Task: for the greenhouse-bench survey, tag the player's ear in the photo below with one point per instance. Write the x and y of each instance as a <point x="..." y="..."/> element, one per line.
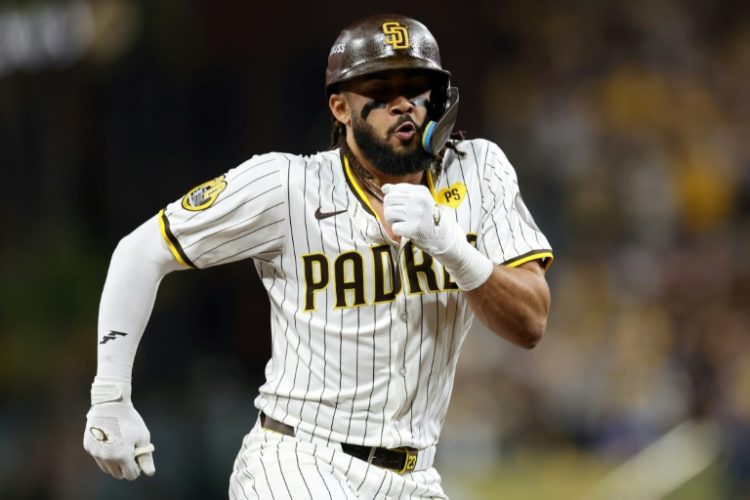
<point x="340" y="108"/>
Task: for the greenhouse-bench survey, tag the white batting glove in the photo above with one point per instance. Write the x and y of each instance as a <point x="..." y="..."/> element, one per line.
<point x="413" y="213"/>
<point x="116" y="435"/>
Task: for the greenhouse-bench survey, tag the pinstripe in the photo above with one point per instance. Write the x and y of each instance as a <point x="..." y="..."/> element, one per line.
<point x="244" y="493"/>
<point x="416" y="485"/>
<point x="432" y="366"/>
<point x="488" y="186"/>
<point x="325" y="309"/>
<point x="368" y="332"/>
<point x="518" y="220"/>
<point x="390" y="374"/>
<point x="364" y="477"/>
<point x="333" y="457"/>
<point x="280" y="339"/>
<point x="403" y="485"/>
<point x="390" y="484"/>
<point x="349" y="466"/>
<point x="494" y="223"/>
<point x="296" y="275"/>
<point x="322" y="478"/>
<point x="403" y="364"/>
<point x="281" y="472"/>
<point x="230" y="258"/>
<point x="463" y="179"/>
<point x="381" y="486"/>
<point x="341" y="335"/>
<point x="309" y="320"/>
<point x="325" y="480"/>
<point x="242" y="457"/>
<point x="244" y="235"/>
<point x="506" y="201"/>
<point x="507" y="216"/>
<point x="419" y="370"/>
<point x="535" y="233"/>
<point x="372" y="386"/>
<point x="251" y="484"/>
<point x="317" y="377"/>
<point x="263" y="261"/>
<point x="512" y="181"/>
<point x="276" y="337"/>
<point x="450" y="338"/>
<point x="265" y="472"/>
<point x="419" y="480"/>
<point x="356" y="347"/>
<point x="241" y="222"/>
<point x="296" y="456"/>
<point x="455" y="335"/>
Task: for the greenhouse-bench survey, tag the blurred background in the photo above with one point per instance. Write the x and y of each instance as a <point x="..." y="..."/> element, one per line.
<point x="624" y="120"/>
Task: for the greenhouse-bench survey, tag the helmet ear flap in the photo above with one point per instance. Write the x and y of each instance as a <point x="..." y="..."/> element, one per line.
<point x="437" y="132"/>
<point x="438" y="101"/>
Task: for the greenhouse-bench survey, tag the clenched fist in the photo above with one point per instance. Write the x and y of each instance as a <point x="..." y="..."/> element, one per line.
<point x="116" y="435"/>
<point x="413" y="213"/>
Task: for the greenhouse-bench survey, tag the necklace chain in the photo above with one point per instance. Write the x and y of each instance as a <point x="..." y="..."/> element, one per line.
<point x="366" y="178"/>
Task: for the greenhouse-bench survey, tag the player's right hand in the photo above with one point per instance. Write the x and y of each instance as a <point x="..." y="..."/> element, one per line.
<point x="116" y="435"/>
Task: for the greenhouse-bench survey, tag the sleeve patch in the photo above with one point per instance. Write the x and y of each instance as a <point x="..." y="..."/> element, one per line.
<point x="204" y="195"/>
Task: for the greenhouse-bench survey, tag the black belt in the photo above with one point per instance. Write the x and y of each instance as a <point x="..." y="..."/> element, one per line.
<point x="401" y="460"/>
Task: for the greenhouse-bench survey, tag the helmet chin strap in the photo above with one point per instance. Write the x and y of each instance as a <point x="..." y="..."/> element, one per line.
<point x="436" y="134"/>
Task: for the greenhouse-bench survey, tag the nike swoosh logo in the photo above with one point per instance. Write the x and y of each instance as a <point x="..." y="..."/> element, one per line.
<point x="324" y="215"/>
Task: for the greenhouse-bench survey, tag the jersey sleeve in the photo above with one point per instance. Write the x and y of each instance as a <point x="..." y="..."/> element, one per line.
<point x="509" y="234"/>
<point x="238" y="215"/>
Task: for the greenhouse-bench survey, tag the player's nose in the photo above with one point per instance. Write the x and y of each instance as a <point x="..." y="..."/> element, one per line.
<point x="401" y="105"/>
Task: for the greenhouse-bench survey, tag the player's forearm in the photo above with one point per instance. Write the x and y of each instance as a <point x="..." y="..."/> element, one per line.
<point x="514" y="303"/>
<point x="138" y="264"/>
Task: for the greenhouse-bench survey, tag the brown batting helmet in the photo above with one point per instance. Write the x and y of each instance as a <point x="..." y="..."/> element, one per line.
<point x="382" y="43"/>
<point x="390" y="42"/>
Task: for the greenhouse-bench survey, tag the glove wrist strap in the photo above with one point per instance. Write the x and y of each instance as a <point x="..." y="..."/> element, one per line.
<point x="471" y="269"/>
<point x="468" y="268"/>
<point x="108" y="392"/>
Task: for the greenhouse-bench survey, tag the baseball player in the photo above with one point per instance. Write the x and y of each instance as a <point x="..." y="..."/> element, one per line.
<point x="376" y="256"/>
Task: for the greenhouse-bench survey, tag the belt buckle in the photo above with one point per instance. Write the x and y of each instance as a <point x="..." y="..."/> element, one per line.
<point x="411" y="459"/>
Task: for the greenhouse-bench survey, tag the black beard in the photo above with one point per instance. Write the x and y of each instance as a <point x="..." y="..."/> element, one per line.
<point x="384" y="157"/>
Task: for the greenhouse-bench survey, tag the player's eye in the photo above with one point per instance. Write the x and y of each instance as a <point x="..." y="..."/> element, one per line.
<point x="416" y="86"/>
<point x="415" y="91"/>
<point x="377" y="92"/>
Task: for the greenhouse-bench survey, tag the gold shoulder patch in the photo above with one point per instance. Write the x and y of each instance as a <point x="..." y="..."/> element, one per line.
<point x="204" y="195"/>
<point x="453" y="195"/>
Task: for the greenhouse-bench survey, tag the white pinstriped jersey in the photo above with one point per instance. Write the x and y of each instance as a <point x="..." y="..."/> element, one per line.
<point x="365" y="335"/>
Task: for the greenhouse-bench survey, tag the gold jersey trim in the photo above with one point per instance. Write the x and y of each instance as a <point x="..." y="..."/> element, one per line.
<point x="172" y="243"/>
<point x="545" y="256"/>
